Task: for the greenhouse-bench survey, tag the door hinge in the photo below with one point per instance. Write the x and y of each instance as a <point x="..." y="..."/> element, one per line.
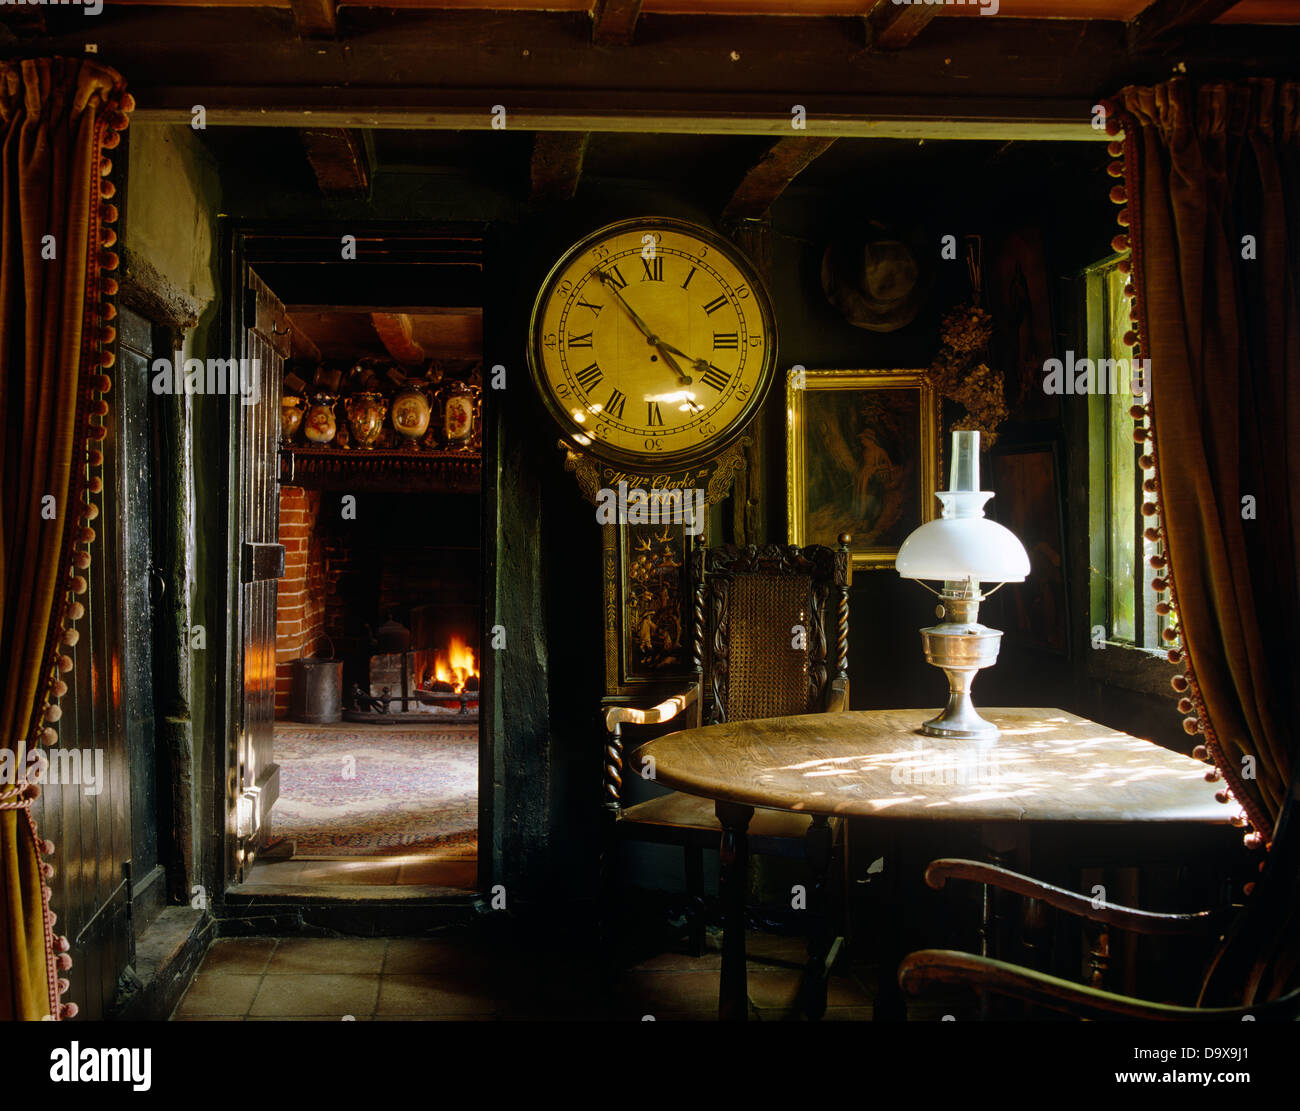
<point x="260" y="562"/>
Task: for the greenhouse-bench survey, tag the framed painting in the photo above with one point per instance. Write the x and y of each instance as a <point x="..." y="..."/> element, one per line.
<point x="1026" y="483"/>
<point x="862" y="457"/>
<point x="647" y="607"/>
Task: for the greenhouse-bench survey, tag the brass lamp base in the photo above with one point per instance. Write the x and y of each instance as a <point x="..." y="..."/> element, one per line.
<point x="960" y="650"/>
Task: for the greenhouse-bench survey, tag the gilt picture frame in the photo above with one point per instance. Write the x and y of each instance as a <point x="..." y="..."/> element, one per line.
<point x="863" y="457"/>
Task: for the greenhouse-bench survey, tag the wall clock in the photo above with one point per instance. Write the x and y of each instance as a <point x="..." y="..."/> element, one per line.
<point x="652" y="344"/>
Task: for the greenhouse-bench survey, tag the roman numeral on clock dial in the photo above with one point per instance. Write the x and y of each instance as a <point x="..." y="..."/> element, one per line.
<point x="715" y="378"/>
<point x="589" y="377"/>
<point x="653" y="416"/>
<point x="584" y="340"/>
<point x="615" y="277"/>
<point x="654" y="269"/>
<point x="722" y="341"/>
<point x="614" y="406"/>
<point x="714" y="305"/>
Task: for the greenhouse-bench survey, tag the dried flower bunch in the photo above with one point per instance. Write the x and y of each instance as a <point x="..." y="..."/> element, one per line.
<point x="961" y="373"/>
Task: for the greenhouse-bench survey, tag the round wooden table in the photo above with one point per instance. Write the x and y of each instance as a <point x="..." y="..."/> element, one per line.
<point x="1047" y="766"/>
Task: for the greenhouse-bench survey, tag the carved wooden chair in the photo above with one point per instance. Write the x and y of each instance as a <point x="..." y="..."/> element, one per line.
<point x="750" y="662"/>
<point x="1254" y="971"/>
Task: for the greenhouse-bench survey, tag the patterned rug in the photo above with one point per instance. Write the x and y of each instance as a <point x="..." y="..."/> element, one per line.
<point x="347" y="791"/>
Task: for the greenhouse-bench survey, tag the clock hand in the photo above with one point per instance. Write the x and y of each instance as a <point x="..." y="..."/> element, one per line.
<point x="651" y="338"/>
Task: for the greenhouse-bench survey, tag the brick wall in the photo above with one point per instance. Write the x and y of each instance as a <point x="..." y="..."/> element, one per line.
<point x="300" y="598"/>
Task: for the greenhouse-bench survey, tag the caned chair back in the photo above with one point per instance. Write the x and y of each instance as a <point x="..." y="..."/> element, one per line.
<point x="772" y="627"/>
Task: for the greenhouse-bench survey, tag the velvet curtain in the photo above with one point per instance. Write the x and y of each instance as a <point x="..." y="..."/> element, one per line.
<point x="1212" y="188"/>
<point x="56" y="117"/>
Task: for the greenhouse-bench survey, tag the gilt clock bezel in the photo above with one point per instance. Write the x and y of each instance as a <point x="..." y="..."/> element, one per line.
<point x="656" y="461"/>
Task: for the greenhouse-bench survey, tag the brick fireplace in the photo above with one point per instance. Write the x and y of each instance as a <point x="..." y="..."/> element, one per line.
<point x="412" y="557"/>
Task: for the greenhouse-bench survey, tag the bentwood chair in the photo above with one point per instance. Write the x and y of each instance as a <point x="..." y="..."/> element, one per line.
<point x="750" y="661"/>
<point x="1254" y="970"/>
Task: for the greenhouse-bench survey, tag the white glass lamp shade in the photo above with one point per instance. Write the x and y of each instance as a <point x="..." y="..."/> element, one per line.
<point x="963" y="544"/>
<point x="954" y="549"/>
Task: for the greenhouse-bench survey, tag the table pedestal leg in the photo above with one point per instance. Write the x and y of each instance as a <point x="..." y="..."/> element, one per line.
<point x="817" y="847"/>
<point x="733" y="995"/>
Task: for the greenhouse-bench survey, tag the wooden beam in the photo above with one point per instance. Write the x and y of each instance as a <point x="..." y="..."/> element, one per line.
<point x="893" y="26"/>
<point x="613" y="22"/>
<point x="395" y="330"/>
<point x="972" y="78"/>
<point x="316" y="19"/>
<point x="338" y="158"/>
<point x="1165" y="16"/>
<point x="768" y="178"/>
<point x="557" y="164"/>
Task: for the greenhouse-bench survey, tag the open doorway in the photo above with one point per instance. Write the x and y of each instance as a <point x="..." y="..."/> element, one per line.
<point x="372" y="728"/>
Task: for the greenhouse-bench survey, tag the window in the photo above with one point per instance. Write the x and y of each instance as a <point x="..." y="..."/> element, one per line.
<point x="1122" y="604"/>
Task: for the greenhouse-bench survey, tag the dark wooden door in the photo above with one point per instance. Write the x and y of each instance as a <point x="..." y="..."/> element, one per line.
<point x="140" y="586"/>
<point x="261" y="561"/>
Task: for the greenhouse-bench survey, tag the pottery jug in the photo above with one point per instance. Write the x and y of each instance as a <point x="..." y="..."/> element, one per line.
<point x="366" y="412"/>
<point x="320" y="426"/>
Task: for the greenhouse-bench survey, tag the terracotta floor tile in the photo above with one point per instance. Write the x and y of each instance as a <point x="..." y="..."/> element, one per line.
<point x="238" y="954"/>
<point x="420" y="954"/>
<point x="220" y="993"/>
<point x="337" y="995"/>
<point x="433" y="995"/>
<point x="680" y="962"/>
<point x="319" y="955"/>
<point x="779" y="988"/>
<point x="655" y="993"/>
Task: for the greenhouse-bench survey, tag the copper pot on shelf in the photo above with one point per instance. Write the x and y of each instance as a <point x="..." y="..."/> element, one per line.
<point x="366" y="411"/>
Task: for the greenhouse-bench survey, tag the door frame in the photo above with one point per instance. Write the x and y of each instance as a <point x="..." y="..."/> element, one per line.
<point x="247" y="242"/>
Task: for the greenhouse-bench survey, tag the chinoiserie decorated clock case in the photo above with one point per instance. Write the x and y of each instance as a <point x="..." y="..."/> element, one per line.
<point x="653" y="345"/>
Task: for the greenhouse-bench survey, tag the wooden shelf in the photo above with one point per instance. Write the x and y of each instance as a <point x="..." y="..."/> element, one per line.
<point x="380" y="469"/>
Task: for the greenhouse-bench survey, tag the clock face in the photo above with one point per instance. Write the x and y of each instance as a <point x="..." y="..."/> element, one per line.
<point x="652" y="343"/>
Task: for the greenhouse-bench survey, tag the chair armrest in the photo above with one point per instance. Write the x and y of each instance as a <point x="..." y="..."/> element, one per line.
<point x="945" y="966"/>
<point x="837" y="698"/>
<point x="1112" y="914"/>
<point x="665" y="711"/>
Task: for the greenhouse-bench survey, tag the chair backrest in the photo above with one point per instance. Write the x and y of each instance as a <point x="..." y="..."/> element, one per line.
<point x="771" y="628"/>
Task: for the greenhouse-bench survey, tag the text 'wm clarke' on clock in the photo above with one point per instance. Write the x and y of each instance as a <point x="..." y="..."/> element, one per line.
<point x="652" y="343"/>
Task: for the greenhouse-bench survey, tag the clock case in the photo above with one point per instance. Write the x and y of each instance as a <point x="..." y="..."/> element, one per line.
<point x="658" y="462"/>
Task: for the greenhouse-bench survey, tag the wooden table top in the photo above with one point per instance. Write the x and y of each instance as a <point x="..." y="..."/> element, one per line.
<point x="1047" y="766"/>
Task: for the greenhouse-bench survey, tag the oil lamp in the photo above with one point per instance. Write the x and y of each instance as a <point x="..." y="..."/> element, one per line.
<point x="962" y="549"/>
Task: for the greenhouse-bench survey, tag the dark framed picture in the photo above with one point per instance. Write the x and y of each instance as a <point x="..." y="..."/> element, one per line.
<point x="647" y="607"/>
<point x="1026" y="484"/>
<point x="862" y="456"/>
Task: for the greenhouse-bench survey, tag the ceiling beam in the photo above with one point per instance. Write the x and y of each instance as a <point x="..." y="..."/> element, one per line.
<point x="769" y="177"/>
<point x="316" y="19"/>
<point x="394" y="328"/>
<point x="973" y="78"/>
<point x="557" y="164"/>
<point x="893" y="26"/>
<point x="1165" y="16"/>
<point x="613" y="22"/>
<point x="338" y="159"/>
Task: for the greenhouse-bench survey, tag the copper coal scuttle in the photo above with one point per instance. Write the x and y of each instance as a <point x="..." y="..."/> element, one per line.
<point x="375" y="406"/>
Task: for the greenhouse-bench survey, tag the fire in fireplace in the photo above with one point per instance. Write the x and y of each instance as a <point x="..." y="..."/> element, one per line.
<point x="453" y="670"/>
